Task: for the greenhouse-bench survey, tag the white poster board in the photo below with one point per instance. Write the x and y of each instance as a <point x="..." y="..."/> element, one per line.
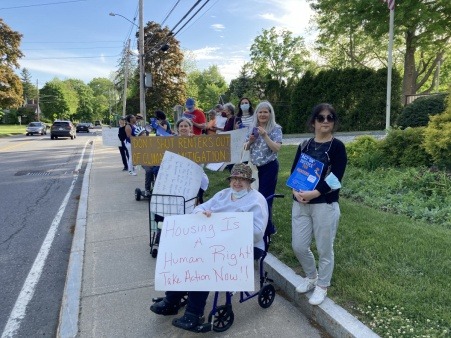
<point x="199" y="253"/>
<point x="237" y="139"/>
<point x="177" y="184"/>
<point x="109" y="137"/>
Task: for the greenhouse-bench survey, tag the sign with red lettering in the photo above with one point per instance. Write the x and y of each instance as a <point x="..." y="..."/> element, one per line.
<point x="199" y="253"/>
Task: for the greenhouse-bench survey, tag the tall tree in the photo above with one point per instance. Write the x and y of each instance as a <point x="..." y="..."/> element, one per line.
<point x="278" y="55"/>
<point x="85" y="98"/>
<point x="422" y="26"/>
<point x="10" y="85"/>
<point x="58" y="100"/>
<point x="163" y="59"/>
<point x="210" y="85"/>
<point x="103" y="91"/>
<point x="30" y="92"/>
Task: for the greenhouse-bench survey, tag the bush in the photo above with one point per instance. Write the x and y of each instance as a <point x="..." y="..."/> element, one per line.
<point x="364" y="152"/>
<point x="437" y="137"/>
<point x="417" y="113"/>
<point x="404" y="148"/>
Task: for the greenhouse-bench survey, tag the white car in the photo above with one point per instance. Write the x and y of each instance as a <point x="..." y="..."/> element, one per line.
<point x="36" y="128"/>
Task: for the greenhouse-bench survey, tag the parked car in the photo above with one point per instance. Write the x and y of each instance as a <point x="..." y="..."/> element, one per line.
<point x="62" y="129"/>
<point x="83" y="126"/>
<point x="97" y="123"/>
<point x="37" y="128"/>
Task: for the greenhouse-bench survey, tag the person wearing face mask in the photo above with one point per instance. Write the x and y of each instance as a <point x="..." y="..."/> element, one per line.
<point x="238" y="197"/>
<point x="196" y="116"/>
<point x="245" y="112"/>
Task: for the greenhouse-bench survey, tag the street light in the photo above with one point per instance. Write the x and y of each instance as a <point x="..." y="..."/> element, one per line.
<point x="115" y="14"/>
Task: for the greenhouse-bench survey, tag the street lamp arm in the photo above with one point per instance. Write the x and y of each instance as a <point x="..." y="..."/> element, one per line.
<point x="115" y="14"/>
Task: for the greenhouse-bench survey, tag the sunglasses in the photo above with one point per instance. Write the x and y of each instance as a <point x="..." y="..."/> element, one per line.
<point x="322" y="118"/>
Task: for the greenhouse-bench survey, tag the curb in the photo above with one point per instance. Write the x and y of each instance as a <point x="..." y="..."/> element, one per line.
<point x="70" y="305"/>
<point x="330" y="316"/>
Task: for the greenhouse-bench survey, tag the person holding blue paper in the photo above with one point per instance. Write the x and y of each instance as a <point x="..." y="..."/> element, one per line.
<point x="315" y="208"/>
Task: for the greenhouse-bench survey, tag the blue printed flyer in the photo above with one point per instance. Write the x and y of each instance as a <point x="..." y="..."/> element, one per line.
<point x="306" y="175"/>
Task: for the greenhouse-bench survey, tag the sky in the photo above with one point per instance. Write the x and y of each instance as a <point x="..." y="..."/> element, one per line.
<point x="79" y="39"/>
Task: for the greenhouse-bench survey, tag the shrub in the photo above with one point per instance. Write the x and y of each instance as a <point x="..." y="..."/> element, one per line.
<point x="437" y="137"/>
<point x="364" y="152"/>
<point x="404" y="148"/>
<point x="417" y="113"/>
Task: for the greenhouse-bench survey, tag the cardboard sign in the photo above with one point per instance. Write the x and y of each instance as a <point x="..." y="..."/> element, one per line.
<point x="109" y="137"/>
<point x="200" y="149"/>
<point x="199" y="253"/>
<point x="237" y="138"/>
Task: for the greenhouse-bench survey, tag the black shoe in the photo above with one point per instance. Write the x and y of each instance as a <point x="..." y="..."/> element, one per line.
<point x="189" y="321"/>
<point x="125" y="169"/>
<point x="164" y="308"/>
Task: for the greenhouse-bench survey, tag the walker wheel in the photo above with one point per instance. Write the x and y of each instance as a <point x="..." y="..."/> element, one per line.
<point x="154" y="253"/>
<point x="266" y="296"/>
<point x="138" y="194"/>
<point x="223" y="318"/>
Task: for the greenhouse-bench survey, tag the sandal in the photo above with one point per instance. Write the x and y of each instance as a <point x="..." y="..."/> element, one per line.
<point x="163" y="307"/>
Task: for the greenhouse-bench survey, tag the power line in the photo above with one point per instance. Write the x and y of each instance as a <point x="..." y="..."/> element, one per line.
<point x="73" y="57"/>
<point x="167" y="16"/>
<point x="69" y="48"/>
<point x="206" y="2"/>
<point x="44" y="4"/>
<point x="71" y="42"/>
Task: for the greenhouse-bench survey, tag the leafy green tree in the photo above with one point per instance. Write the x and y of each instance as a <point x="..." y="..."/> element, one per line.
<point x="10" y="86"/>
<point x="30" y="91"/>
<point x="422" y="26"/>
<point x="58" y="100"/>
<point x="103" y="91"/>
<point x="278" y="55"/>
<point x="85" y="95"/>
<point x="242" y="86"/>
<point x="210" y="85"/>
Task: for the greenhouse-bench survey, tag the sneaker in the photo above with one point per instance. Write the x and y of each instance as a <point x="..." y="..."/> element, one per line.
<point x="125" y="169"/>
<point x="132" y="173"/>
<point x="318" y="296"/>
<point x="307" y="285"/>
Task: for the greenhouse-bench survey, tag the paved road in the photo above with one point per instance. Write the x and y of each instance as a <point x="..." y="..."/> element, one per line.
<point x="36" y="175"/>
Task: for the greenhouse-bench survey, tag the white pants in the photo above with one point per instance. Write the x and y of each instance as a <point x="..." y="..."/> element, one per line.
<point x="129" y="159"/>
<point x="319" y="220"/>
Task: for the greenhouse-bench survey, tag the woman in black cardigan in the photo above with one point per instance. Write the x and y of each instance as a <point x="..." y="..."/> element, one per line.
<point x="316" y="212"/>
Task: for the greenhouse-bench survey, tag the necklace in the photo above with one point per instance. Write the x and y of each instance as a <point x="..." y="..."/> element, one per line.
<point x="318" y="145"/>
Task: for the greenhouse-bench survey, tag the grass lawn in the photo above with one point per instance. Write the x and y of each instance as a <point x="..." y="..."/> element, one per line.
<point x="393" y="273"/>
<point x="11" y="129"/>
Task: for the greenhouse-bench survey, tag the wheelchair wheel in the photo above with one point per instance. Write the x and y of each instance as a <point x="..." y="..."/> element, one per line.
<point x="266" y="296"/>
<point x="138" y="194"/>
<point x="223" y="318"/>
<point x="154" y="253"/>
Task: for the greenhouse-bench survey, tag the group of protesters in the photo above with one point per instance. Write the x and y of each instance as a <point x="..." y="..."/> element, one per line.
<point x="315" y="213"/>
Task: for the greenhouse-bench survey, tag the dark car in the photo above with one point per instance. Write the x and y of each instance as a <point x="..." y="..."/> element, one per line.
<point x="37" y="128"/>
<point x="82" y="126"/>
<point x="62" y="129"/>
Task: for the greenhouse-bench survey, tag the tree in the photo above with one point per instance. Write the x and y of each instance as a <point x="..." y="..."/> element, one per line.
<point x="422" y="26"/>
<point x="242" y="86"/>
<point x="276" y="54"/>
<point x="10" y="85"/>
<point x="165" y="66"/>
<point x="58" y="101"/>
<point x="85" y="98"/>
<point x="102" y="90"/>
<point x="210" y="85"/>
<point x="30" y="92"/>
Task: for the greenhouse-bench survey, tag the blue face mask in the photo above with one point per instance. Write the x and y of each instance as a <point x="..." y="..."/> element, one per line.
<point x="245" y="106"/>
<point x="238" y="194"/>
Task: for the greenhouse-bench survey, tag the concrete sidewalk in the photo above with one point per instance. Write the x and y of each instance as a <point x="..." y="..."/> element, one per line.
<point x="110" y="280"/>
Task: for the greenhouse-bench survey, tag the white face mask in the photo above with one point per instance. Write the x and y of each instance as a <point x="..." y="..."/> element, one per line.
<point x="245" y="106"/>
<point x="238" y="194"/>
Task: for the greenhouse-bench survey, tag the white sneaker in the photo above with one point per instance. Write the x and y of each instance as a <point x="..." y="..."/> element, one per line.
<point x="132" y="173"/>
<point x="318" y="296"/>
<point x="307" y="285"/>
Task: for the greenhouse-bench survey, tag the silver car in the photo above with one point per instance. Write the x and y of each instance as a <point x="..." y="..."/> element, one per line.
<point x="36" y="128"/>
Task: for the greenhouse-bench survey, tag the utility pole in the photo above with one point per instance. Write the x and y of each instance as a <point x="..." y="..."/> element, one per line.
<point x="38" y="108"/>
<point x="142" y="92"/>
<point x="124" y="99"/>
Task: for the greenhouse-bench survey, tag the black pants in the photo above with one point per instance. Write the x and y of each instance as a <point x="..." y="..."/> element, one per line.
<point x="124" y="154"/>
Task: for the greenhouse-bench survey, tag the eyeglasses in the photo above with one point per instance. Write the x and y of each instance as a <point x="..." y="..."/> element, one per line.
<point x="322" y="118"/>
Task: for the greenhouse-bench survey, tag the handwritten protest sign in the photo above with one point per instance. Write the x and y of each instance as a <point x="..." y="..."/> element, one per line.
<point x="199" y="253"/>
<point x="109" y="137"/>
<point x="200" y="149"/>
<point x="177" y="177"/>
<point x="237" y="138"/>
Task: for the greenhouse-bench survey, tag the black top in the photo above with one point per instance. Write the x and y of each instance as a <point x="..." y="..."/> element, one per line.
<point x="333" y="155"/>
<point x="121" y="134"/>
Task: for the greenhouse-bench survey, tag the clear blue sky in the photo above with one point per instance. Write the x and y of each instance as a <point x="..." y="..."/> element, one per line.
<point x="78" y="39"/>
